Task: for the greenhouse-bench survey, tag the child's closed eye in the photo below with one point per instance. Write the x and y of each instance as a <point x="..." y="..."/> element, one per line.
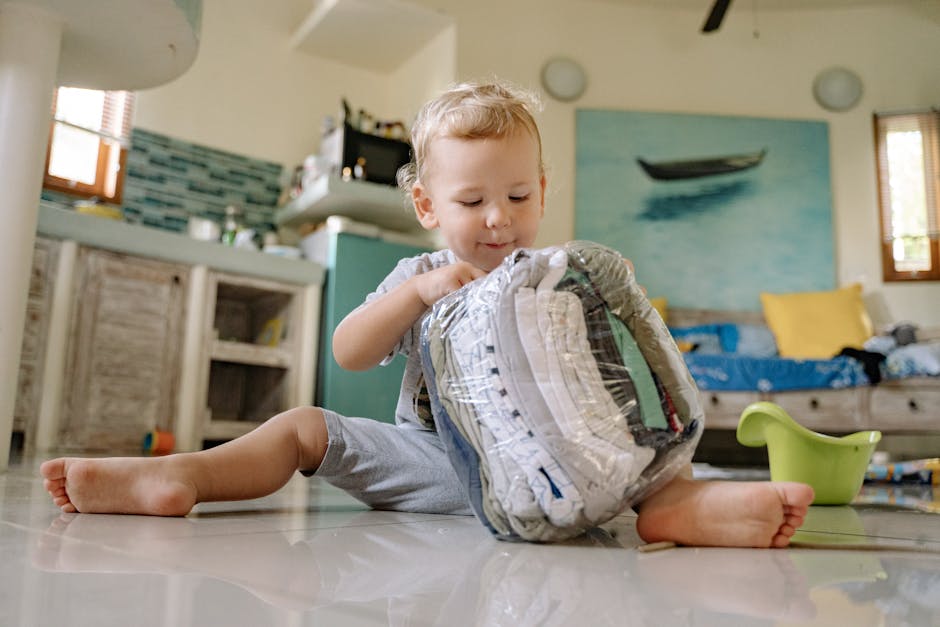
<point x="522" y="198"/>
<point x="471" y="203"/>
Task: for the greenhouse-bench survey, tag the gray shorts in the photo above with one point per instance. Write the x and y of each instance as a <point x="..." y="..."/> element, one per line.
<point x="391" y="467"/>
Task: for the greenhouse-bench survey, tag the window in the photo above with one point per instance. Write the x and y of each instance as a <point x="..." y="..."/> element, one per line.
<point x="908" y="147"/>
<point x="87" y="142"/>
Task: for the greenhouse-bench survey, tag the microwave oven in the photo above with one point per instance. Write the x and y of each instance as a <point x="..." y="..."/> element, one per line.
<point x="382" y="156"/>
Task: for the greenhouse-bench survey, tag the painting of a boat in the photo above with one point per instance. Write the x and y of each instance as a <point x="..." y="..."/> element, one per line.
<point x="697" y="168"/>
<point x="709" y="234"/>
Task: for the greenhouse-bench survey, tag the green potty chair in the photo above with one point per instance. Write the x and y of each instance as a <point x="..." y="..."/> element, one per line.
<point x="834" y="466"/>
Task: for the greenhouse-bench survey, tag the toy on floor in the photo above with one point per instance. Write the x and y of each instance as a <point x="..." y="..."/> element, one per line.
<point x="158" y="442"/>
<point x="558" y="392"/>
<point x="925" y="471"/>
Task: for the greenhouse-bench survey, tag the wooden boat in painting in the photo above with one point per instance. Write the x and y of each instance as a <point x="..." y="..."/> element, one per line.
<point x="697" y="168"/>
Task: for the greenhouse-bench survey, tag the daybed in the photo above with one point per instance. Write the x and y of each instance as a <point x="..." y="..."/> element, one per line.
<point x="898" y="403"/>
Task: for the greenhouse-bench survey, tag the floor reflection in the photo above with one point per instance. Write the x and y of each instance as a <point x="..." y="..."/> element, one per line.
<point x="922" y="497"/>
<point x="308" y="559"/>
<point x="434" y="572"/>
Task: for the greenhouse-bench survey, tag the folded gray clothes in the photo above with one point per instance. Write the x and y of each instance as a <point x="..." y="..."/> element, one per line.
<point x="551" y="382"/>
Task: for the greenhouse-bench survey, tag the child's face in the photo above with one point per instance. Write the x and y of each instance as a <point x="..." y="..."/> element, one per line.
<point x="485" y="195"/>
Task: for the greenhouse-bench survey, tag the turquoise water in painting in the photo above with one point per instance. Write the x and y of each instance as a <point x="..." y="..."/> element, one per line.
<point x="718" y="241"/>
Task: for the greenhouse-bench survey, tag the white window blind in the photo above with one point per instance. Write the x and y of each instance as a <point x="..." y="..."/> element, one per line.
<point x="90" y="132"/>
<point x="107" y="114"/>
<point x="908" y="149"/>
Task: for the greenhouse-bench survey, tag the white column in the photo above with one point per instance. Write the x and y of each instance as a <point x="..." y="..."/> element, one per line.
<point x="30" y="39"/>
<point x="308" y="336"/>
<point x="191" y="407"/>
<point x="53" y="368"/>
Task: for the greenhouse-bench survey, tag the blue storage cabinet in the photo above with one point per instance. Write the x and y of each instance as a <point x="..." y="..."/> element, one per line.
<point x="355" y="265"/>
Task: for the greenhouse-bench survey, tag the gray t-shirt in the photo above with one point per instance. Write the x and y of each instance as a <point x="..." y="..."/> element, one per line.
<point x="412" y="410"/>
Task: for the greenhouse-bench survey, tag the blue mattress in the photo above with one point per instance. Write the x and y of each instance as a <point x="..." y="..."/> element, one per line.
<point x="735" y="372"/>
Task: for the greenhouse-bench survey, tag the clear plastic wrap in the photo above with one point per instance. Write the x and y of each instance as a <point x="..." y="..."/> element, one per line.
<point x="558" y="392"/>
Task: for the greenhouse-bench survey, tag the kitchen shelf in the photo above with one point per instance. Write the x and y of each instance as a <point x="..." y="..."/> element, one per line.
<point x="251" y="354"/>
<point x="257" y="353"/>
<point x="247" y="394"/>
<point x="226" y="429"/>
<point x="372" y="203"/>
<point x="377" y="35"/>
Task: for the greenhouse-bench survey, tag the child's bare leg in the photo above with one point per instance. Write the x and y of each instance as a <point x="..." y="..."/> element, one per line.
<point x="724" y="513"/>
<point x="251" y="466"/>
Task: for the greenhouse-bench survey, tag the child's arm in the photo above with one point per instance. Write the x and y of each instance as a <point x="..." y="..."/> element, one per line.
<point x="371" y="331"/>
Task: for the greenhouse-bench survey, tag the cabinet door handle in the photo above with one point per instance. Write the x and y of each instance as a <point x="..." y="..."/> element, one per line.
<point x="714" y="400"/>
<point x="912" y="405"/>
<point x="814" y="403"/>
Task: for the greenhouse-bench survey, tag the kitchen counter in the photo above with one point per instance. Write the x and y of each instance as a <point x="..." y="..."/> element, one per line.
<point x="143" y="241"/>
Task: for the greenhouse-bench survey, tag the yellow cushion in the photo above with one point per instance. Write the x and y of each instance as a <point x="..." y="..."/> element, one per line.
<point x="817" y="325"/>
<point x="659" y="304"/>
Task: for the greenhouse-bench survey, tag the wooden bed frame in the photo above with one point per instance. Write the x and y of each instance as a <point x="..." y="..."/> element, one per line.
<point x="908" y="406"/>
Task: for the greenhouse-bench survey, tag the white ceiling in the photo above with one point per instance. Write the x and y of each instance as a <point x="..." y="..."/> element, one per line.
<point x="925" y="8"/>
<point x="705" y="5"/>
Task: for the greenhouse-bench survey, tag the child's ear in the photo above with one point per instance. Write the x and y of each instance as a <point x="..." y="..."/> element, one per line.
<point x="424" y="208"/>
<point x="543" y="182"/>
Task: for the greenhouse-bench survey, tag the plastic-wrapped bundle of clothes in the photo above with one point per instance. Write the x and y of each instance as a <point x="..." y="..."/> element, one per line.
<point x="558" y="392"/>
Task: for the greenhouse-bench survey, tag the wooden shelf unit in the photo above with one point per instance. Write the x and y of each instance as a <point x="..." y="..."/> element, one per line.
<point x="254" y="343"/>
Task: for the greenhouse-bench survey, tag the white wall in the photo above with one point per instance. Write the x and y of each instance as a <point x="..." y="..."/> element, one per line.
<point x="423" y="76"/>
<point x="656" y="59"/>
<point x="249" y="93"/>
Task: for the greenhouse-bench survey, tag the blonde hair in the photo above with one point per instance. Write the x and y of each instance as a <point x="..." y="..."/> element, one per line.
<point x="470" y="111"/>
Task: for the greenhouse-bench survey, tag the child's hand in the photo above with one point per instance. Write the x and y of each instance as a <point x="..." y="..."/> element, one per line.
<point x="434" y="285"/>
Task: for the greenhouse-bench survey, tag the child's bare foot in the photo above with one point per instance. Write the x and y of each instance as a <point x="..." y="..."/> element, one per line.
<point x="120" y="485"/>
<point x="724" y="513"/>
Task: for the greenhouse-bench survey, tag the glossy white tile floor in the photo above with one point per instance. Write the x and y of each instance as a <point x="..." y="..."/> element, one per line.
<point x="309" y="555"/>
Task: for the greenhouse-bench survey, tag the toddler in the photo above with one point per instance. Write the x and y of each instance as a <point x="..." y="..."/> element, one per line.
<point x="478" y="177"/>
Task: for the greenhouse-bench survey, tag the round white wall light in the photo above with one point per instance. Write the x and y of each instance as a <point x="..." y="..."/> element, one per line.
<point x="837" y="89"/>
<point x="564" y="79"/>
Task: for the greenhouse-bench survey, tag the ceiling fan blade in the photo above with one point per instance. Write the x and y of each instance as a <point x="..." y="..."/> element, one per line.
<point x="716" y="16"/>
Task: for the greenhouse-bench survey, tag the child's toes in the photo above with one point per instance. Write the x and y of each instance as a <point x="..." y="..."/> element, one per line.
<point x="66" y="506"/>
<point x="54" y="469"/>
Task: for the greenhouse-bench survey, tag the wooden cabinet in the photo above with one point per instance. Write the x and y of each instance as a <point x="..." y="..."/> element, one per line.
<point x="898" y="405"/>
<point x="259" y="342"/>
<point x="123" y="358"/>
<point x="723" y="409"/>
<point x="29" y="385"/>
<point x="829" y="410"/>
<point x="117" y="344"/>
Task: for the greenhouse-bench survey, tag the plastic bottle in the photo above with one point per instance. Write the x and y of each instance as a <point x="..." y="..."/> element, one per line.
<point x="231" y="225"/>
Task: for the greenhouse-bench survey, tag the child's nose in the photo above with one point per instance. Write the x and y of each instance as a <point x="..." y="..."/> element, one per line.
<point x="497" y="217"/>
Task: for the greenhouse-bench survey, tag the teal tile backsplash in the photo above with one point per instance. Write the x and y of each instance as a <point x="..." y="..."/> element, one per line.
<point x="167" y="180"/>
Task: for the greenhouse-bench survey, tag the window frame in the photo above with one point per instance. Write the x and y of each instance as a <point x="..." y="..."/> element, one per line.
<point x="84" y="190"/>
<point x="890" y="273"/>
